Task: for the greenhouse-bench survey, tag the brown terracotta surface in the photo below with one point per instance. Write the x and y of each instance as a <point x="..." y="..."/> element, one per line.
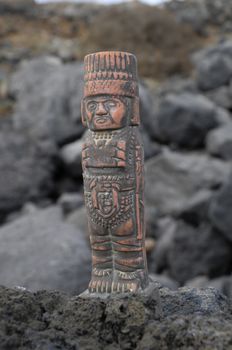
<point x="113" y="173"/>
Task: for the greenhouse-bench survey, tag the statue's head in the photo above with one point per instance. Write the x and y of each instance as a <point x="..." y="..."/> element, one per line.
<point x="111" y="91"/>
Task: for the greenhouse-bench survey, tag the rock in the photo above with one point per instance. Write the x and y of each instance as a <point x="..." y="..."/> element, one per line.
<point x="198" y="282"/>
<point x="158" y="260"/>
<point x="194" y="13"/>
<point x="151" y="148"/>
<point x="219" y="142"/>
<point x="214" y="66"/>
<point x="151" y="221"/>
<point x="220" y="13"/>
<point x="184" y="120"/>
<point x="191" y="318"/>
<point x="196" y="209"/>
<point x="204" y="302"/>
<point x="221" y="96"/>
<point x="223" y="116"/>
<point x="78" y="218"/>
<point x="196" y="252"/>
<point x="202" y="13"/>
<point x="165" y="281"/>
<point x="223" y="284"/>
<point x="65" y="49"/>
<point x="220" y="209"/>
<point x="49" y="97"/>
<point x="41" y="251"/>
<point x="69" y="202"/>
<point x="19" y="6"/>
<point x="26" y="170"/>
<point x="172" y="178"/>
<point x="71" y="157"/>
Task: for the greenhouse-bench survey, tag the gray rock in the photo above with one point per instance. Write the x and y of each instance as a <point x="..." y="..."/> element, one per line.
<point x="214" y="66"/>
<point x="172" y="178"/>
<point x="203" y="302"/>
<point x="26" y="170"/>
<point x="49" y="96"/>
<point x="220" y="13"/>
<point x="219" y="142"/>
<point x="151" y="221"/>
<point x="198" y="251"/>
<point x="20" y="6"/>
<point x="41" y="251"/>
<point x="220" y="209"/>
<point x="198" y="282"/>
<point x="158" y="261"/>
<point x="221" y="96"/>
<point x="223" y="116"/>
<point x="78" y="218"/>
<point x="184" y="119"/>
<point x="165" y="319"/>
<point x="71" y="157"/>
<point x="196" y="209"/>
<point x="165" y="281"/>
<point x="223" y="284"/>
<point x="69" y="202"/>
<point x="194" y="13"/>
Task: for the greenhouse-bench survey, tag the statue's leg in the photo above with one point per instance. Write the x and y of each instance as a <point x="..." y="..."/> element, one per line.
<point x="101" y="260"/>
<point x="129" y="260"/>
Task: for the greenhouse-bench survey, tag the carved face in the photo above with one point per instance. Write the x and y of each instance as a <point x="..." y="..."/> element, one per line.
<point x="105" y="112"/>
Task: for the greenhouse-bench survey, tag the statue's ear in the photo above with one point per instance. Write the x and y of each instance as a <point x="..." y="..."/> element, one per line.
<point x="135" y="118"/>
<point x="83" y="113"/>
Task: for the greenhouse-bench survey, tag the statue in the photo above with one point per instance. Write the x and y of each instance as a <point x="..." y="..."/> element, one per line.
<point x="113" y="173"/>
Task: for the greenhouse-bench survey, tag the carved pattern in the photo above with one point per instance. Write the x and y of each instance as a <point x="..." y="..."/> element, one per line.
<point x="112" y="159"/>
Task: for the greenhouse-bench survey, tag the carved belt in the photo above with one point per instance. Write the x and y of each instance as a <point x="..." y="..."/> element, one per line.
<point x="109" y="199"/>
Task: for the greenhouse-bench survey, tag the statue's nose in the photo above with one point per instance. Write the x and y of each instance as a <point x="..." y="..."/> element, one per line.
<point x="101" y="109"/>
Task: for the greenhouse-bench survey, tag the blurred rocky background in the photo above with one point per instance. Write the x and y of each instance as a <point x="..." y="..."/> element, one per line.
<point x="184" y="51"/>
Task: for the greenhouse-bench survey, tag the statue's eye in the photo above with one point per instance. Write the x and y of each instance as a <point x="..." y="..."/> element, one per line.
<point x="92" y="106"/>
<point x="111" y="103"/>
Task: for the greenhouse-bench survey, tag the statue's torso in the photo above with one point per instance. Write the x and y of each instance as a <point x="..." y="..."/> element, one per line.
<point x="109" y="171"/>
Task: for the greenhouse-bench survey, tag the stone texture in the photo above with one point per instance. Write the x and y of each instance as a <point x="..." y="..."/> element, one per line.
<point x="194" y="13"/>
<point x="172" y="178"/>
<point x="219" y="142"/>
<point x="183" y="319"/>
<point x="196" y="209"/>
<point x="220" y="209"/>
<point x="221" y="96"/>
<point x="49" y="97"/>
<point x="214" y="66"/>
<point x="26" y="170"/>
<point x="40" y="251"/>
<point x="184" y="119"/>
<point x="70" y="155"/>
<point x="197" y="251"/>
<point x="69" y="202"/>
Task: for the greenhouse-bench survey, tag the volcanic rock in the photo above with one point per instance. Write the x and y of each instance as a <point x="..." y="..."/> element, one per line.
<point x="172" y="178"/>
<point x="184" y="119"/>
<point x="41" y="251"/>
<point x="220" y="209"/>
<point x="26" y="170"/>
<point x="187" y="318"/>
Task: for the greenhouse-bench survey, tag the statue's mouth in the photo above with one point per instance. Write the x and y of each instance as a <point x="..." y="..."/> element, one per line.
<point x="102" y="119"/>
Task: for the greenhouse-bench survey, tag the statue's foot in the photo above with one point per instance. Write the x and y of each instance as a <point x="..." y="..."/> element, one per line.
<point x="128" y="282"/>
<point x="124" y="287"/>
<point x="101" y="281"/>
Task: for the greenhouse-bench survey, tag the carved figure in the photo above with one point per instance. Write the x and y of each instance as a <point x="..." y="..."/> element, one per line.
<point x="113" y="172"/>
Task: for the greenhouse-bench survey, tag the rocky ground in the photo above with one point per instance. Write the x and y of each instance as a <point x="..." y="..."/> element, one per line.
<point x="184" y="51"/>
<point x="187" y="319"/>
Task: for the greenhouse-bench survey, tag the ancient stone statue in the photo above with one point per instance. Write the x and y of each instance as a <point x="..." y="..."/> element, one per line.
<point x="113" y="172"/>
